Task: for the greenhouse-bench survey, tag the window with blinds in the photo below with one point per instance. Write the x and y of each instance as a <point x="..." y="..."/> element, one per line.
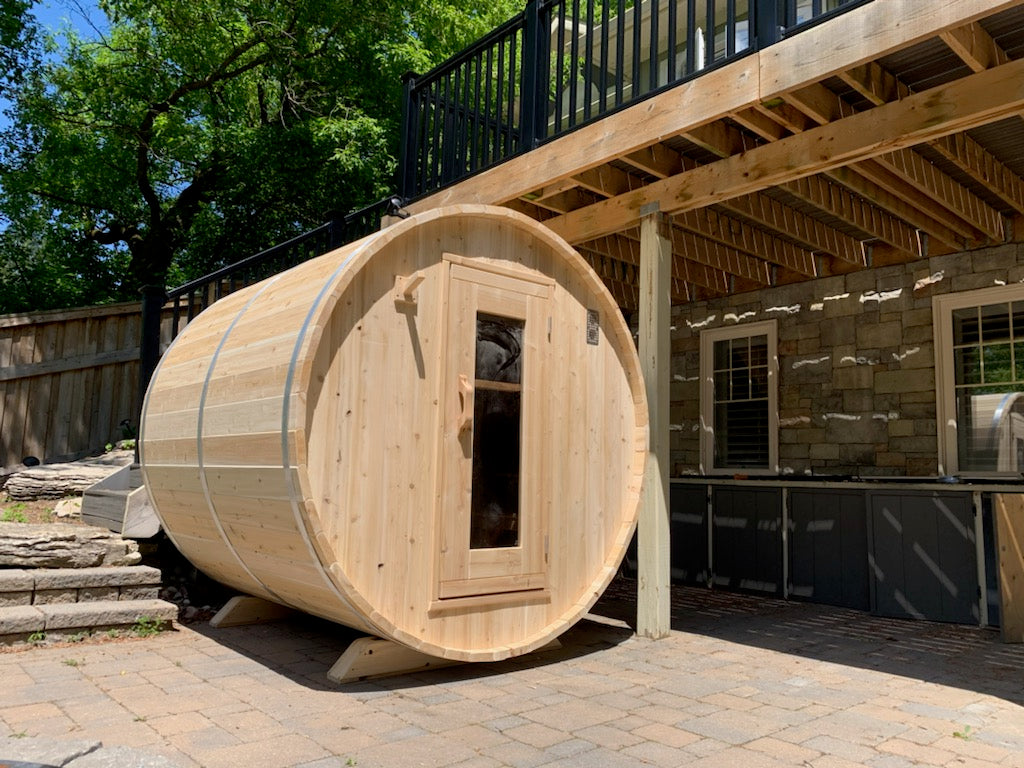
<point x="738" y="398"/>
<point x="980" y="380"/>
<point x="741" y="402"/>
<point x="988" y="371"/>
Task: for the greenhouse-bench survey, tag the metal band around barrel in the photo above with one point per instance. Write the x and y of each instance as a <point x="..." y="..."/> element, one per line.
<point x="285" y="419"/>
<point x="199" y="443"/>
<point x="142" y="443"/>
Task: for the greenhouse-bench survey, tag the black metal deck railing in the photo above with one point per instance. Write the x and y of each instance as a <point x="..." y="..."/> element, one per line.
<point x="188" y="300"/>
<point x="563" y="63"/>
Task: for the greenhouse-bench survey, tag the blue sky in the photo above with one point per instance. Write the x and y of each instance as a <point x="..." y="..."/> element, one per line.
<point x="55" y="16"/>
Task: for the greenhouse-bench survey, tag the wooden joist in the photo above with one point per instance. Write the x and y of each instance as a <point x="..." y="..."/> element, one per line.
<point x="932" y="114"/>
<point x="772" y="214"/>
<point x="751" y="240"/>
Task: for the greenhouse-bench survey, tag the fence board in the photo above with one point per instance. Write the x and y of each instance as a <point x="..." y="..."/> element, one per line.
<point x="67" y="380"/>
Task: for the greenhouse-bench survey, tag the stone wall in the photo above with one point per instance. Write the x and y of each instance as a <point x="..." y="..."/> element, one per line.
<point x="856" y="363"/>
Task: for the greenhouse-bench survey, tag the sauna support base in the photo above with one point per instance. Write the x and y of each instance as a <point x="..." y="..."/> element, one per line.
<point x="370" y="657"/>
<point x="245" y="609"/>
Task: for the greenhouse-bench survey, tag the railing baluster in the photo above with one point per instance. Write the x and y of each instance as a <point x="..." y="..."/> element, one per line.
<point x="488" y="147"/>
<point x="691" y="36"/>
<point x="653" y="47"/>
<point x="670" y="63"/>
<point x="513" y="89"/>
<point x="574" y="62"/>
<point x="602" y="80"/>
<point x="709" y="33"/>
<point x="588" y="62"/>
<point x="560" y="78"/>
<point x="637" y="23"/>
<point x="620" y="52"/>
<point x="407" y="149"/>
<point x="500" y="130"/>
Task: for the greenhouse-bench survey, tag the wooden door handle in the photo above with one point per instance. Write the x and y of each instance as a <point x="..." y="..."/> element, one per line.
<point x="466" y="393"/>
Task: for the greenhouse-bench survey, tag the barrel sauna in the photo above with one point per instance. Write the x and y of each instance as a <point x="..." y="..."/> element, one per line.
<point x="435" y="435"/>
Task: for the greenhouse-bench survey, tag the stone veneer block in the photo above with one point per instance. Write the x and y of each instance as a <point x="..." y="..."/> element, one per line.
<point x="105" y="613"/>
<point x="53" y="596"/>
<point x="15" y="598"/>
<point x="78" y="578"/>
<point x="20" y="620"/>
<point x="138" y="593"/>
<point x="98" y="593"/>
<point x="15" y="580"/>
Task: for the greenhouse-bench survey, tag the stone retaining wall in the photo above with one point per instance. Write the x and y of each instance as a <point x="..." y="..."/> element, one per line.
<point x="856" y="363"/>
<point x="44" y="587"/>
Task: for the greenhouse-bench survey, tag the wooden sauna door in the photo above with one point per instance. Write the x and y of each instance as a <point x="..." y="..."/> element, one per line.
<point x="493" y="506"/>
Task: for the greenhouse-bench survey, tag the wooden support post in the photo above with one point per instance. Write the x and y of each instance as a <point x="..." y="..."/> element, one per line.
<point x="369" y="657"/>
<point x="1008" y="510"/>
<point x="245" y="609"/>
<point x="653" y="609"/>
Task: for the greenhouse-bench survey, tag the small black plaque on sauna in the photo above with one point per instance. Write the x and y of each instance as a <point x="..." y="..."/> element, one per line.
<point x="593" y="326"/>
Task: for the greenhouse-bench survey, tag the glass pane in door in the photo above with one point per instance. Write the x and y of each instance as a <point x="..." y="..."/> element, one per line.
<point x="497" y="421"/>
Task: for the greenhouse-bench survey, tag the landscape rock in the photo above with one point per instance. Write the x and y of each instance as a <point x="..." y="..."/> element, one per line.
<point x="35" y="749"/>
<point x="55" y="481"/>
<point x="69" y="507"/>
<point x="59" y="545"/>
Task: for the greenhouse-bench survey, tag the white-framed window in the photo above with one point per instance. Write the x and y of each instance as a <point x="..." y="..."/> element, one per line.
<point x="738" y="399"/>
<point x="979" y="381"/>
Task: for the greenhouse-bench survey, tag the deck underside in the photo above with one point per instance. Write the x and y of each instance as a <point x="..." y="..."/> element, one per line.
<point x="891" y="133"/>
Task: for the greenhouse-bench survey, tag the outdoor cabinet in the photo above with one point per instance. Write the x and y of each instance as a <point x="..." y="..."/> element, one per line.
<point x="436" y="435"/>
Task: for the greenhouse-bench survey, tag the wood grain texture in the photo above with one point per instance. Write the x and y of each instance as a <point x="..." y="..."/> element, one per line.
<point x="1009" y="521"/>
<point x="67" y="380"/>
<point x="300" y="437"/>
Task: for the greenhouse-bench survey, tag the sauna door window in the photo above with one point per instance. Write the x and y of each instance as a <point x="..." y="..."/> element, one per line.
<point x="492" y="506"/>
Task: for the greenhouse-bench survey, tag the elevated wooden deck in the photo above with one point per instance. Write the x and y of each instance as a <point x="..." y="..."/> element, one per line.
<point x="891" y="132"/>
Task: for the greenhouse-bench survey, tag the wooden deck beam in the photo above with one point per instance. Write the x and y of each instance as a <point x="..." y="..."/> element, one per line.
<point x="971" y="101"/>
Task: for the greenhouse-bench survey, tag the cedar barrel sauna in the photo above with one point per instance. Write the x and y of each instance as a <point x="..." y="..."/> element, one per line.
<point x="435" y="435"/>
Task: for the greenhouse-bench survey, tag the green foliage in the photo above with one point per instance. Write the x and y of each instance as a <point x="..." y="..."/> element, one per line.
<point x="17" y="39"/>
<point x="147" y="626"/>
<point x="15" y="513"/>
<point x="966" y="734"/>
<point x="189" y="135"/>
<point x="37" y="637"/>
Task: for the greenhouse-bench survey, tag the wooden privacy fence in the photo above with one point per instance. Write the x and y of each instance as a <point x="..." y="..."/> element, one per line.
<point x="68" y="378"/>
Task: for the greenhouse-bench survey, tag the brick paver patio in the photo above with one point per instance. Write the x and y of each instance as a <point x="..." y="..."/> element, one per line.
<point x="744" y="682"/>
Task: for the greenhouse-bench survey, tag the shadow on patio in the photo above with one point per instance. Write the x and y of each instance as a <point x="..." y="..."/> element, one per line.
<point x="946" y="654"/>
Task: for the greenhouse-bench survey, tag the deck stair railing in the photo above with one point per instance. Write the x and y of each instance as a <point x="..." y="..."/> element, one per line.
<point x="563" y="63"/>
<point x="188" y="300"/>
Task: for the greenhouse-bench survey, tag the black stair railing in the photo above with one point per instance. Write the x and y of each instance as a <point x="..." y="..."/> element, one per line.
<point x="563" y="63"/>
<point x="186" y="301"/>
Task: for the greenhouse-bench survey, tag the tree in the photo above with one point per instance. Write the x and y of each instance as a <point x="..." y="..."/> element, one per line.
<point x="188" y="135"/>
<point x="17" y="35"/>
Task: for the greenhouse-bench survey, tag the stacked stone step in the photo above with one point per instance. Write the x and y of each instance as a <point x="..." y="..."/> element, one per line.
<point x="66" y="603"/>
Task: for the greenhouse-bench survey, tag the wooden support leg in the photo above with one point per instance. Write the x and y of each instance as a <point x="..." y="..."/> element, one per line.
<point x="370" y="657"/>
<point x="653" y="607"/>
<point x="245" y="609"/>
